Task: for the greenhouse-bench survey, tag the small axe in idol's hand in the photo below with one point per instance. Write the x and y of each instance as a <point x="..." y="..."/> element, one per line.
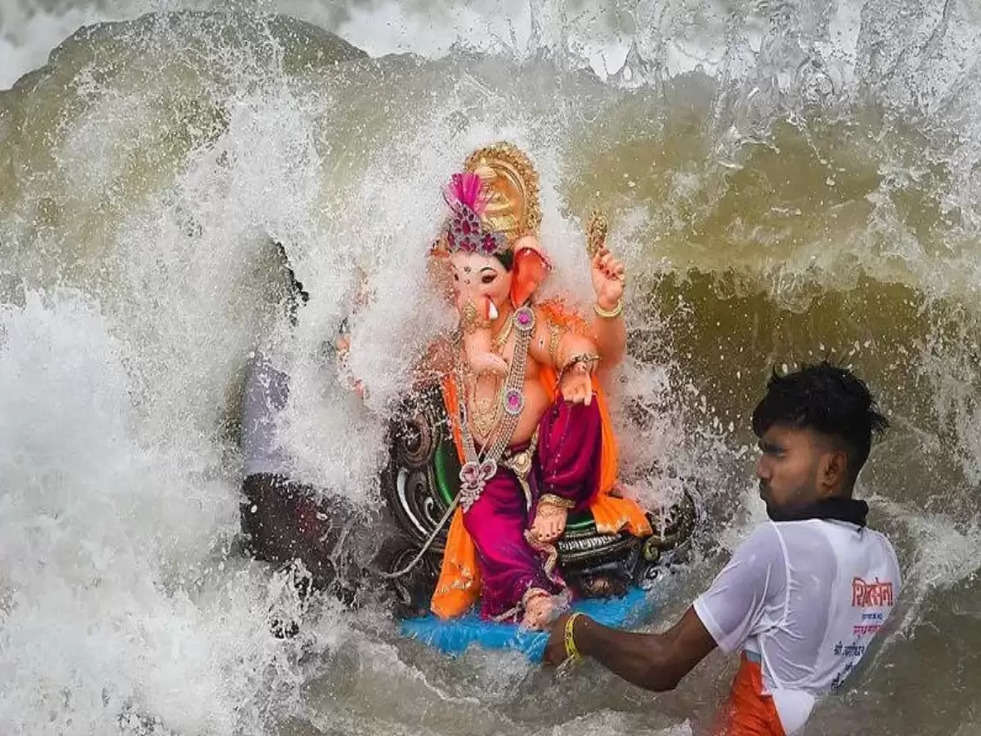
<point x="596" y="230"/>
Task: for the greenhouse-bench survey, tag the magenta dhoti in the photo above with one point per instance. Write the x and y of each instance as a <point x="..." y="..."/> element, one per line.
<point x="566" y="464"/>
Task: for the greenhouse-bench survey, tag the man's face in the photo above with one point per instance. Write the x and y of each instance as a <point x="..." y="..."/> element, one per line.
<point x="790" y="466"/>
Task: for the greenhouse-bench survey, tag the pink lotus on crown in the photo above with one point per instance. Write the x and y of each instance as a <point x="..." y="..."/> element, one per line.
<point x="464" y="231"/>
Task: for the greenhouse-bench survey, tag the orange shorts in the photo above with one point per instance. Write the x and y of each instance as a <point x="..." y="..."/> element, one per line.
<point x="748" y="712"/>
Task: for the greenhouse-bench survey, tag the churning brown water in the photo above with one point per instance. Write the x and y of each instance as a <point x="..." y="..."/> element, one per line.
<point x="787" y="181"/>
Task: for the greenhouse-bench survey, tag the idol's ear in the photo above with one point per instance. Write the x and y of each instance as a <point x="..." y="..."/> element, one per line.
<point x="529" y="270"/>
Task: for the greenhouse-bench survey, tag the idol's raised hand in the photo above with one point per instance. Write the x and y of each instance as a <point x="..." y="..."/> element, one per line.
<point x="608" y="279"/>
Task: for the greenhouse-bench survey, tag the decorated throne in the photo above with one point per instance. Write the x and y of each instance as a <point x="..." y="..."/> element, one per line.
<point x="421" y="481"/>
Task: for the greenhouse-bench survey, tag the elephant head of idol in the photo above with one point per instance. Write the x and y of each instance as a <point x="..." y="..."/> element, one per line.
<point x="489" y="244"/>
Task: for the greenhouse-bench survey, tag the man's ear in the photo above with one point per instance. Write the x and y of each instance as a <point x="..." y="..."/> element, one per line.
<point x="832" y="473"/>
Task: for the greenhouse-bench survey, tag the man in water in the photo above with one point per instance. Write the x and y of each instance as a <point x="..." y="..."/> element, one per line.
<point x="283" y="520"/>
<point x="804" y="595"/>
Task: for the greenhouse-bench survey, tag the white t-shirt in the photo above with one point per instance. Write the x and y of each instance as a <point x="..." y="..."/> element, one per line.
<point x="805" y="598"/>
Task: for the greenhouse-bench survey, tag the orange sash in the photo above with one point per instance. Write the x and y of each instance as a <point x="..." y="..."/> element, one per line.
<point x="458" y="586"/>
<point x="748" y="712"/>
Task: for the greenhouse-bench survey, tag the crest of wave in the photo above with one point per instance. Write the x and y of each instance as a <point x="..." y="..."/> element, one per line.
<point x="115" y="601"/>
<point x="121" y="606"/>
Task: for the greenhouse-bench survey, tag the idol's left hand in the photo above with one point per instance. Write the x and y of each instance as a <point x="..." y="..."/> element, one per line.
<point x="577" y="385"/>
<point x="555" y="649"/>
<point x="608" y="274"/>
<point x="343" y="346"/>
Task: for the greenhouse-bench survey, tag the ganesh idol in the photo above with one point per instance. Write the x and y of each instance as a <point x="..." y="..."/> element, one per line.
<point x="520" y="383"/>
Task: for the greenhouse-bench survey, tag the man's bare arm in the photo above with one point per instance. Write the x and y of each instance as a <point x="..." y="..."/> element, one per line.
<point x="652" y="661"/>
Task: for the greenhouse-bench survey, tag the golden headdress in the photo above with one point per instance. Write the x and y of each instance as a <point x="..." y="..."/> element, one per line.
<point x="510" y="183"/>
<point x="493" y="202"/>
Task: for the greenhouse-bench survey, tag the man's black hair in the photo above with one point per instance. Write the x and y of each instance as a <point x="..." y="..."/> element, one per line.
<point x="828" y="399"/>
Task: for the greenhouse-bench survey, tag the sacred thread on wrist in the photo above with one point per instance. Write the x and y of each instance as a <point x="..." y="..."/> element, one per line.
<point x="609" y="313"/>
<point x="571" y="652"/>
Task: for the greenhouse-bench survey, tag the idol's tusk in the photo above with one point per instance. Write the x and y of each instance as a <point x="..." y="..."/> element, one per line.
<point x="492" y="311"/>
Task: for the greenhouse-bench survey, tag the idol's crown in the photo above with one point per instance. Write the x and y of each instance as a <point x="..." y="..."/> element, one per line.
<point x="464" y="231"/>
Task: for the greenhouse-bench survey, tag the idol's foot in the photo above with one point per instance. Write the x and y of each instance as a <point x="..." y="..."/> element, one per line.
<point x="540" y="609"/>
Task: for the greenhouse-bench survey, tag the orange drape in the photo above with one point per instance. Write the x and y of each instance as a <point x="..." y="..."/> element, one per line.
<point x="748" y="712"/>
<point x="458" y="586"/>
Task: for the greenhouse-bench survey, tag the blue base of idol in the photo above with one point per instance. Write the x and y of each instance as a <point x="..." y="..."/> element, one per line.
<point x="456" y="635"/>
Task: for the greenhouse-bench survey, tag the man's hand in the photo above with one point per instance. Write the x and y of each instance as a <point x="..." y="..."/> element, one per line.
<point x="555" y="649"/>
<point x="653" y="661"/>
